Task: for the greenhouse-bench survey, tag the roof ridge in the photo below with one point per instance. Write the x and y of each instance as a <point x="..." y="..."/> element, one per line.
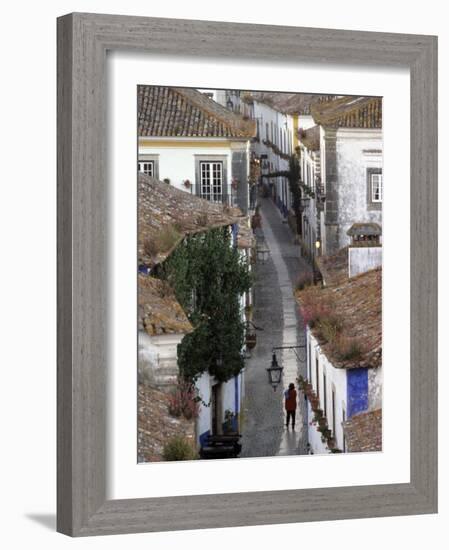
<point x="214" y="105"/>
<point x="349" y="111"/>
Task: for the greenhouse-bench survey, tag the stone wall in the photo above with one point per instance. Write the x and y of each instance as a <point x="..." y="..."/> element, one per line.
<point x="346" y="156"/>
<point x="240" y="174"/>
<point x="156" y="426"/>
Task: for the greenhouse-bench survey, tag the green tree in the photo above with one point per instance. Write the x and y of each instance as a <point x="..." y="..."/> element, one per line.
<point x="208" y="276"/>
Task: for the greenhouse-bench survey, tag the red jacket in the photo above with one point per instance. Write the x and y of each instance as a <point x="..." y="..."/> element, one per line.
<point x="290" y="401"/>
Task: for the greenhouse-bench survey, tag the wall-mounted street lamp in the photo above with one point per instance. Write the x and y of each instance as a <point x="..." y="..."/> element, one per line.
<point x="317" y="244"/>
<point x="274" y="372"/>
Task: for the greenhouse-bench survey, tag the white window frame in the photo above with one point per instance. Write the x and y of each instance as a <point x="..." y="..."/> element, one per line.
<point x="376" y="187"/>
<point x="213" y="171"/>
<point x="143" y="170"/>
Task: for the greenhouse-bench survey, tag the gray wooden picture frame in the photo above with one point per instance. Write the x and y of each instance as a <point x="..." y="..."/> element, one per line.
<point x="83" y="40"/>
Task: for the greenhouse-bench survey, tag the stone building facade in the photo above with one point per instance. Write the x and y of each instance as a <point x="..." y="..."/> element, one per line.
<point x="351" y="166"/>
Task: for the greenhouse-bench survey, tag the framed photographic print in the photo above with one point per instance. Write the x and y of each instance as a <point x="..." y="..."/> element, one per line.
<point x="247" y="274"/>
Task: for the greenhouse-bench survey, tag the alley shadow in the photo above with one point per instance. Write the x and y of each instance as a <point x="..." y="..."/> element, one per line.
<point x="46" y="520"/>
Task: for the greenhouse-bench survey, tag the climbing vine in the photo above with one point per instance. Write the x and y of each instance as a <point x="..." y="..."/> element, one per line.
<point x="296" y="186"/>
<point x="294" y="177"/>
<point x="208" y="276"/>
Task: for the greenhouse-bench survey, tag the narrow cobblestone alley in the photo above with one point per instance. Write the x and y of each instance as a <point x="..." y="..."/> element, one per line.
<point x="275" y="310"/>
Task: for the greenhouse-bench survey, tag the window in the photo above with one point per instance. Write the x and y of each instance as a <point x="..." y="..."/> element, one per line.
<point x="374" y="190"/>
<point x="376" y="187"/>
<point x="317" y="373"/>
<point x="146" y="167"/>
<point x="149" y="165"/>
<point x="211" y="181"/>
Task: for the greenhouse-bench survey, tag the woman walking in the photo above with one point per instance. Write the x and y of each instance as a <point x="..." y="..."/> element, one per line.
<point x="290" y="404"/>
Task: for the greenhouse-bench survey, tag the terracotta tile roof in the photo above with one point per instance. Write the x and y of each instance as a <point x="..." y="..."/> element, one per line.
<point x="186" y="112"/>
<point x="158" y="310"/>
<point x="349" y="112"/>
<point x="310" y="138"/>
<point x="156" y="426"/>
<point x="363" y="432"/>
<point x="167" y="214"/>
<point x="286" y="102"/>
<point x="334" y="269"/>
<point x="354" y="306"/>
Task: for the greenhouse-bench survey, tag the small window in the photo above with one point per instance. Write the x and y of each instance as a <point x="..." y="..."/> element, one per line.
<point x="376" y="187"/>
<point x="146" y="167"/>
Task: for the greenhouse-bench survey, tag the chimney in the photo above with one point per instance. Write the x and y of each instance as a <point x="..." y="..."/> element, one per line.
<point x="365" y="250"/>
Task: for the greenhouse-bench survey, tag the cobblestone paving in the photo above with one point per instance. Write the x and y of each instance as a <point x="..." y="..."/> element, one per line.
<point x="264" y="433"/>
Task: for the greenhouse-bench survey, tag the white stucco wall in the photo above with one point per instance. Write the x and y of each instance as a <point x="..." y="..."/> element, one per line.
<point x="305" y="122"/>
<point x="177" y="161"/>
<point x="356" y="152"/>
<point x="157" y="358"/>
<point x="204" y="386"/>
<point x="363" y="259"/>
<point x="278" y="124"/>
<point x="310" y="169"/>
<point x="335" y="379"/>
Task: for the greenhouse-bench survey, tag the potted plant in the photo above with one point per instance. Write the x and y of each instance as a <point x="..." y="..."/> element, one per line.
<point x="229" y="420"/>
<point x="307" y="389"/>
<point x="187" y="184"/>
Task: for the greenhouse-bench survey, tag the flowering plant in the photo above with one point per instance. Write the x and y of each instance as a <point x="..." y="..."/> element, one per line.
<point x="183" y="401"/>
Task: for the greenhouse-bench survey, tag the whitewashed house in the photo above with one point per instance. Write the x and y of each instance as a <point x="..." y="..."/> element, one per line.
<point x="344" y="358"/>
<point x="231" y="99"/>
<point x="282" y="120"/>
<point x="273" y="144"/>
<point x="166" y="216"/>
<point x="193" y="143"/>
<point x="312" y="214"/>
<point x="348" y="185"/>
